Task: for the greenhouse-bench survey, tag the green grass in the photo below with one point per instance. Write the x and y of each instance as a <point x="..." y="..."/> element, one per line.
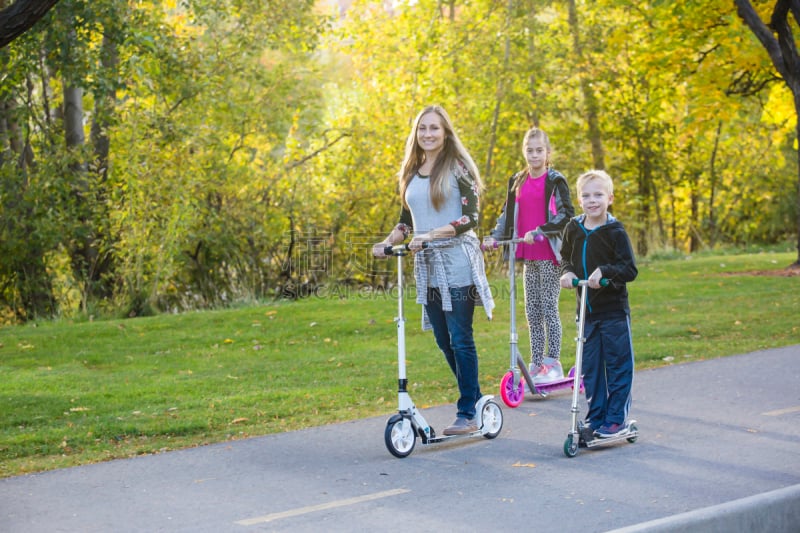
<point x="76" y="393"/>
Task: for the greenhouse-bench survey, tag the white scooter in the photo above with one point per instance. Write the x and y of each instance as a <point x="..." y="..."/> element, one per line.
<point x="403" y="428"/>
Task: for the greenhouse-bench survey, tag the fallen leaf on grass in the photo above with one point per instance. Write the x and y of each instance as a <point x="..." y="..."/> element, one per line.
<point x="239" y="420"/>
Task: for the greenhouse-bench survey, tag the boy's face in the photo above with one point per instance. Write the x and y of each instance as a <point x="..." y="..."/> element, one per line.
<point x="594" y="200"/>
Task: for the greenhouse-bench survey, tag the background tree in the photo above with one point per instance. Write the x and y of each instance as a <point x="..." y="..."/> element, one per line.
<point x="191" y="155"/>
<point x="779" y="41"/>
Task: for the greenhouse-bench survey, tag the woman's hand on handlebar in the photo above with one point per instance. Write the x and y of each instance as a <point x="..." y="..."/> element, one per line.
<point x="378" y="249"/>
<point x="418" y="242"/>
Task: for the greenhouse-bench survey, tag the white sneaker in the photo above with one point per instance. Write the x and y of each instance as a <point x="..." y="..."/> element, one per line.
<point x="549" y="371"/>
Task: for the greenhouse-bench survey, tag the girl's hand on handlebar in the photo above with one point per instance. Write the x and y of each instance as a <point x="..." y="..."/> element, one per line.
<point x="489" y="243"/>
<point x="529" y="236"/>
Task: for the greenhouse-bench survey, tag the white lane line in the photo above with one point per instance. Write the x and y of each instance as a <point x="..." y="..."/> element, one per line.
<point x="780" y="412"/>
<point x="320" y="507"/>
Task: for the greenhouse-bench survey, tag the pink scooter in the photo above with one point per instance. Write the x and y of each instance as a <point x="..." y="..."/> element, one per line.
<point x="512" y="388"/>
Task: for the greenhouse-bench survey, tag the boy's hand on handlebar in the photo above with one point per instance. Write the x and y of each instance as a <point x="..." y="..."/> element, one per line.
<point x="594" y="279"/>
<point x="566" y="280"/>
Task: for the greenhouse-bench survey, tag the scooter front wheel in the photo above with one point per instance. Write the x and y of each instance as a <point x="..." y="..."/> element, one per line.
<point x="570" y="446"/>
<point x="511" y="396"/>
<point x="399" y="436"/>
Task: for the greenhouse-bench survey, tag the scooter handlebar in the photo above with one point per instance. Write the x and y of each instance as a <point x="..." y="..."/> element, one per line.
<point x="604" y="282"/>
<point x="539" y="237"/>
<point x="401" y="249"/>
<point x="498" y="244"/>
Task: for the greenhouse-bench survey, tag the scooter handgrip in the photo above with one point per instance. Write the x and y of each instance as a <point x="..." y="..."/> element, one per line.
<point x="401" y="248"/>
<point x="604" y="282"/>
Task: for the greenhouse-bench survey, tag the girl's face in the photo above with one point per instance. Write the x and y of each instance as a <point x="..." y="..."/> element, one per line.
<point x="594" y="200"/>
<point x="536" y="156"/>
<point x="430" y="133"/>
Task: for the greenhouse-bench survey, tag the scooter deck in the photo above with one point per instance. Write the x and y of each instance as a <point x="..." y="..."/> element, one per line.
<point x="442" y="438"/>
<point x="544" y="388"/>
<point x="630" y="434"/>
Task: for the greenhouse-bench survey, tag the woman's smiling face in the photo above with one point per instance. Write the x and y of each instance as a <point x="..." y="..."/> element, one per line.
<point x="430" y="133"/>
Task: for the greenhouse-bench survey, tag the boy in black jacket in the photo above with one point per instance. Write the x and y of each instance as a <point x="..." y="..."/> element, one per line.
<point x="597" y="247"/>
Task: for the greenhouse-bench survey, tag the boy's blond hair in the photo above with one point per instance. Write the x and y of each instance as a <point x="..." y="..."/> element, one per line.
<point x="592" y="175"/>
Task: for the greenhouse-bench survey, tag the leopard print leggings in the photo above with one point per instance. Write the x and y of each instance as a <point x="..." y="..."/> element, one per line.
<point x="541" y="308"/>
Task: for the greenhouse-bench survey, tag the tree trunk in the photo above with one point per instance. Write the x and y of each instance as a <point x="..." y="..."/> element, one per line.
<point x="712" y="193"/>
<point x="27" y="270"/>
<point x="105" y="103"/>
<point x="499" y="95"/>
<point x="783" y="53"/>
<point x="533" y="112"/>
<point x="589" y="98"/>
<point x="797" y="155"/>
<point x="644" y="194"/>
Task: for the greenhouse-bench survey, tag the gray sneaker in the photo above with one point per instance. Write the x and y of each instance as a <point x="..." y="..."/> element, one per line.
<point x="549" y="371"/>
<point x="461" y="426"/>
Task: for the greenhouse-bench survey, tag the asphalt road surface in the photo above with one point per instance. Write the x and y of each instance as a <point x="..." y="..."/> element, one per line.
<point x="709" y="432"/>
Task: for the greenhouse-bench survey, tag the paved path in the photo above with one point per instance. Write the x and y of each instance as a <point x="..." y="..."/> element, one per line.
<point x="710" y="432"/>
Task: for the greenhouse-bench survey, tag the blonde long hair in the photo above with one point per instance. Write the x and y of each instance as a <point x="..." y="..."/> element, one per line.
<point x="453" y="158"/>
<point x="523" y="174"/>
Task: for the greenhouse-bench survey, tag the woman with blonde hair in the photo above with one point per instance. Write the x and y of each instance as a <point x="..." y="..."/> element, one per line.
<point x="439" y="190"/>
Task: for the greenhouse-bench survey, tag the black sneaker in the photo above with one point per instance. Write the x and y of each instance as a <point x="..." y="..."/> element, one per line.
<point x="461" y="426"/>
<point x="586" y="435"/>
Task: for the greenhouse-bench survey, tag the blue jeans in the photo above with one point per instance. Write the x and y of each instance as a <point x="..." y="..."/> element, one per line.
<point x="453" y="333"/>
<point x="608" y="370"/>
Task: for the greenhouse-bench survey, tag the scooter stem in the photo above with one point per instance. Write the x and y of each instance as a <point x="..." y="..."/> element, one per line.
<point x="401" y="329"/>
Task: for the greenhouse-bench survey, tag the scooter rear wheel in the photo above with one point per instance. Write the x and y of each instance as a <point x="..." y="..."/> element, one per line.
<point x="511" y="396"/>
<point x="400" y="437"/>
<point x="491" y="419"/>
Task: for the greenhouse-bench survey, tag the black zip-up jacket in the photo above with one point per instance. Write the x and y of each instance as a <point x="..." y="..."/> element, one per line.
<point x="609" y="248"/>
<point x="555" y="188"/>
